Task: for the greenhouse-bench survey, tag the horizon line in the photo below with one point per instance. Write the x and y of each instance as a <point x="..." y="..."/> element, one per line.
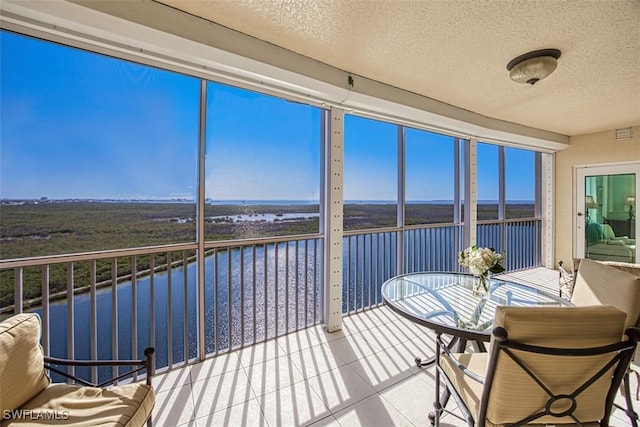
<point x="236" y="201"/>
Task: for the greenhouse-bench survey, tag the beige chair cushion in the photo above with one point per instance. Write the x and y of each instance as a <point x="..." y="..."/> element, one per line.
<point x="568" y="327"/>
<point x="624" y="266"/>
<point x="22" y="374"/>
<point x="470" y="390"/>
<point x="514" y="394"/>
<point x="597" y="283"/>
<point x="127" y="405"/>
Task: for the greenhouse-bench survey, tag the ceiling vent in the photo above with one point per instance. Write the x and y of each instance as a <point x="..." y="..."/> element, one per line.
<point x="624" y="133"/>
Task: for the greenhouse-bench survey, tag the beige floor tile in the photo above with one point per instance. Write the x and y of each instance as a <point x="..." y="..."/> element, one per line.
<point x="410" y="325"/>
<point x="272" y="375"/>
<point x="403" y="331"/>
<point x="618" y="416"/>
<point x="385" y="368"/>
<point x="383" y="337"/>
<point x="217" y="393"/>
<point x="340" y="388"/>
<point x="357" y="323"/>
<point x="451" y="421"/>
<point x="171" y="379"/>
<point x="329" y="421"/>
<point x="354" y="347"/>
<point x="384" y="314"/>
<point x="173" y="407"/>
<point x="380" y="316"/>
<point x="299" y="341"/>
<point x="413" y="397"/>
<point x="373" y="411"/>
<point x="245" y="414"/>
<point x="296" y="405"/>
<point x="419" y="346"/>
<point x="227" y="362"/>
<point x="326" y="337"/>
<point x="260" y="352"/>
<point x="315" y="360"/>
<point x="453" y="417"/>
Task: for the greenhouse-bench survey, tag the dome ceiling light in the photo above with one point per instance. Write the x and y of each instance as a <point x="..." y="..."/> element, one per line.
<point x="533" y="66"/>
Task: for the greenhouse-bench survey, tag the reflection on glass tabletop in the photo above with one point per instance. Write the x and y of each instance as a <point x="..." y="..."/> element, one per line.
<point x="449" y="303"/>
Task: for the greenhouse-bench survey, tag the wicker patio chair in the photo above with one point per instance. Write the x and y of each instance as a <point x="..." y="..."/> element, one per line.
<point x="547" y="365"/>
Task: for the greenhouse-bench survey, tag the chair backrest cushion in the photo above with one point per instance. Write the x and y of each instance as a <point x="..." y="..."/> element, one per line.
<point x="597" y="283"/>
<point x="624" y="266"/>
<point x="514" y="394"/>
<point x="22" y="374"/>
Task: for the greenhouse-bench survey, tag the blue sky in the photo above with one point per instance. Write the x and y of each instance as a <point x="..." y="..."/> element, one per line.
<point x="80" y="125"/>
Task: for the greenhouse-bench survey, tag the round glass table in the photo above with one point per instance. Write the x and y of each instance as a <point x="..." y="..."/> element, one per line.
<point x="448" y="304"/>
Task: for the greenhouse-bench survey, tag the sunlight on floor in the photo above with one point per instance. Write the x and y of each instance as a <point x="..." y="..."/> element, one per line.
<point x="363" y="375"/>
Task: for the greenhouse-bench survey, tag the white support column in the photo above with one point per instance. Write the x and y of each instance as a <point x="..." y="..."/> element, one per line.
<point x="502" y="188"/>
<point x="401" y="201"/>
<point x="333" y="232"/>
<point x="547" y="200"/>
<point x="456" y="181"/>
<point x="202" y="353"/>
<point x="471" y="193"/>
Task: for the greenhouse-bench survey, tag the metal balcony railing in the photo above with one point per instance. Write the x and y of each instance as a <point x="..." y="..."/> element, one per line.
<point x="373" y="256"/>
<point x="518" y="239"/>
<point x="113" y="304"/>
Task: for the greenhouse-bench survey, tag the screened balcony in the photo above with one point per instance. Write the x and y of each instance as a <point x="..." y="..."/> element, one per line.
<point x="250" y="244"/>
<point x="242" y="221"/>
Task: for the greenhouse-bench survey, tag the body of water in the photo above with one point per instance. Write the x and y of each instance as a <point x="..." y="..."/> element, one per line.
<point x="244" y="300"/>
<point x="257" y="292"/>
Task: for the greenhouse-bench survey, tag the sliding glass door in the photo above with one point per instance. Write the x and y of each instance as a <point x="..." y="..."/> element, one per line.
<point x="606" y="220"/>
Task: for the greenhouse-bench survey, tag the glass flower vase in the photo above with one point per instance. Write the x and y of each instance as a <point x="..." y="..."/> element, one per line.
<point x="482" y="284"/>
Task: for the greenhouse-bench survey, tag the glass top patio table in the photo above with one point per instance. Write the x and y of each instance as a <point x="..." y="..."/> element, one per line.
<point x="447" y="302"/>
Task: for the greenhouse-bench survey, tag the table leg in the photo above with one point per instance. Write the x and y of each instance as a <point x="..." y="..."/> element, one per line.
<point x="431" y="360"/>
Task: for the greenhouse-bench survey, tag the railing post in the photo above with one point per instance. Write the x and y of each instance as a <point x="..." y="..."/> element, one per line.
<point x="46" y="326"/>
<point x="18" y="290"/>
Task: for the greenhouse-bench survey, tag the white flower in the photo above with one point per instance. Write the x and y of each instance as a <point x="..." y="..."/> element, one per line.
<point x="480" y="260"/>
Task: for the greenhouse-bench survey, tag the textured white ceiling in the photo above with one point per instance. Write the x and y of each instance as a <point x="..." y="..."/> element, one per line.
<point x="456" y="51"/>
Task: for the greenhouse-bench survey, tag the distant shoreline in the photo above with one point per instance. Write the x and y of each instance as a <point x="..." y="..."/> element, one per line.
<point x="248" y="202"/>
<point x="31" y="229"/>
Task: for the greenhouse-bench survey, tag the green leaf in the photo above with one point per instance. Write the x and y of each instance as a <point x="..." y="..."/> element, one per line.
<point x="497" y="269"/>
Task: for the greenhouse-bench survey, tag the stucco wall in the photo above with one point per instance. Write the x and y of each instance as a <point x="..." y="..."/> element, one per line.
<point x="591" y="149"/>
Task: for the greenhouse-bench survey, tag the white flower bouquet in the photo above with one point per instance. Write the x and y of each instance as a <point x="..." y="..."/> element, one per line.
<point x="481" y="261"/>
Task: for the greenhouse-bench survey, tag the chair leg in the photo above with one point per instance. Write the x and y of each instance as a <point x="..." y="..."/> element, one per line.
<point x="434" y="417"/>
<point x="629" y="411"/>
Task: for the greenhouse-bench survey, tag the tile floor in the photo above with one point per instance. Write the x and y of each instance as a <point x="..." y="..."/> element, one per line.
<point x="363" y="375"/>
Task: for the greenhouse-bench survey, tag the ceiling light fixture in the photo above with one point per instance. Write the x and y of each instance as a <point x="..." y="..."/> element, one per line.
<point x="533" y="66"/>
